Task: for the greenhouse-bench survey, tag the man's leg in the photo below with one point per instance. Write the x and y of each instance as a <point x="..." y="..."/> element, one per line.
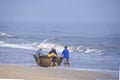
<point x="56" y="64"/>
<point x="38" y="62"/>
<point x="51" y="64"/>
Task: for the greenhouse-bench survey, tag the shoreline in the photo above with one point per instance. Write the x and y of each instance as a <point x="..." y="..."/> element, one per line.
<point x="114" y="74"/>
<point x="10" y="71"/>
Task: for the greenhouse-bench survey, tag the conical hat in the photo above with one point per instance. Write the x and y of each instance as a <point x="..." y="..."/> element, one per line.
<point x="41" y="47"/>
<point x="53" y="47"/>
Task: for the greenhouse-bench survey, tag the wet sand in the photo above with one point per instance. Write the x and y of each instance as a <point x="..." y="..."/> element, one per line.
<point x="39" y="73"/>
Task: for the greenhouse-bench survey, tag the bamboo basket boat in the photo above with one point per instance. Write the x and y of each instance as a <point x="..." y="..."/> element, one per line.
<point x="45" y="60"/>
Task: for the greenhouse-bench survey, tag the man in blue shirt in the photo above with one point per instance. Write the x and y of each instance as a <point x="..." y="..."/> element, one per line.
<point x="65" y="53"/>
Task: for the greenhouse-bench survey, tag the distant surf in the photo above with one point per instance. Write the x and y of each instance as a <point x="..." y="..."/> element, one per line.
<point x="5" y="34"/>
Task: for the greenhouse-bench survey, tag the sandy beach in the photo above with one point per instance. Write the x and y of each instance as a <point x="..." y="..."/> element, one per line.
<point x="40" y="73"/>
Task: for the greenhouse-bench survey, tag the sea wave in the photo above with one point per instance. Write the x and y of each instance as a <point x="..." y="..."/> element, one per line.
<point x="31" y="46"/>
<point x="21" y="46"/>
<point x="47" y="47"/>
<point x="5" y="34"/>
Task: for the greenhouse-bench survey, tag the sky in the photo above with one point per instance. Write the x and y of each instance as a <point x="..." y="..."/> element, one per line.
<point x="82" y="13"/>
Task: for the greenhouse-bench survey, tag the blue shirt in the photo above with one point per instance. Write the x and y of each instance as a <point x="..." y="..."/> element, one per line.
<point x="65" y="53"/>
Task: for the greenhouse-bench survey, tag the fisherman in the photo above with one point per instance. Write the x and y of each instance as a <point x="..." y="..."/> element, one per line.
<point x="38" y="54"/>
<point x="65" y="53"/>
<point x="53" y="54"/>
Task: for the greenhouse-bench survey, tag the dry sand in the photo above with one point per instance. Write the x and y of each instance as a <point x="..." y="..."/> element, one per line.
<point x="39" y="73"/>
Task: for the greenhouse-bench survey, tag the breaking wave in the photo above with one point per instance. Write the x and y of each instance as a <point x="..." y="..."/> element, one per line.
<point x="21" y="46"/>
<point x="47" y="47"/>
<point x="88" y="50"/>
<point x="5" y="34"/>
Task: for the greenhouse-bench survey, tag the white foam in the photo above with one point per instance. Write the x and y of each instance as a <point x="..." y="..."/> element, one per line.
<point x="47" y="45"/>
<point x="80" y="48"/>
<point x="87" y="50"/>
<point x="91" y="50"/>
<point x="32" y="46"/>
<point x="94" y="51"/>
<point x="21" y="46"/>
<point x="5" y="34"/>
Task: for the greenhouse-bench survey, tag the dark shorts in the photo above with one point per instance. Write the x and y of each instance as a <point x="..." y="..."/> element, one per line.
<point x="54" y="59"/>
<point x="37" y="57"/>
<point x="66" y="61"/>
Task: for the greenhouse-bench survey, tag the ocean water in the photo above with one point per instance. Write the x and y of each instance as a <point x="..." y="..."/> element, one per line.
<point x="17" y="44"/>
